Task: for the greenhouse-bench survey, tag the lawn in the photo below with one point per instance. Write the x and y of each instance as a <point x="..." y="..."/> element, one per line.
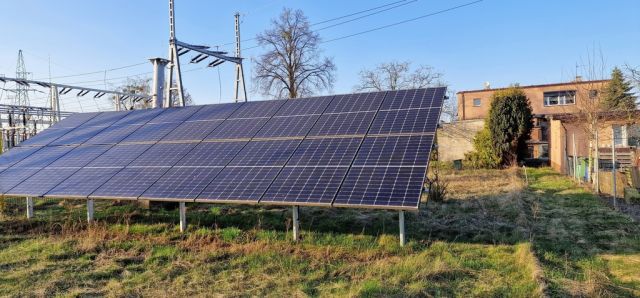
<point x="495" y="236"/>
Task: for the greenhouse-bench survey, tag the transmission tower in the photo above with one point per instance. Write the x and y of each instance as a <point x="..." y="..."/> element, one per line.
<point x="22" y="91"/>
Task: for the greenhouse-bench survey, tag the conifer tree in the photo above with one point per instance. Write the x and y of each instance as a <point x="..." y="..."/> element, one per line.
<point x="510" y="124"/>
<point x="617" y="94"/>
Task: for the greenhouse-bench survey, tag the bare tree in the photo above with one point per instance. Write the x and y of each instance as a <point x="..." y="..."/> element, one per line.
<point x="143" y="86"/>
<point x="450" y="107"/>
<point x="292" y="66"/>
<point x="398" y="75"/>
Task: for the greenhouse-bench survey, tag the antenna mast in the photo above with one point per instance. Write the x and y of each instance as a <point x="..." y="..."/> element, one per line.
<point x="239" y="70"/>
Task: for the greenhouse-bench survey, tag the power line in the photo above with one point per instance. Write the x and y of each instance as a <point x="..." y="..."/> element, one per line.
<point x="96" y="72"/>
<point x="341" y="17"/>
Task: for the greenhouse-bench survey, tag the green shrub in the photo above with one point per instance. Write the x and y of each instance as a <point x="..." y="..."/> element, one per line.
<point x="484" y="156"/>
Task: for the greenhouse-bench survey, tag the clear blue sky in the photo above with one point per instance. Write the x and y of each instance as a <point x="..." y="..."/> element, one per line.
<point x="499" y="41"/>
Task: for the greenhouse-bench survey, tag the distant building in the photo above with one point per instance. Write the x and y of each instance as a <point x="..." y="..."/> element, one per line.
<point x="555" y="125"/>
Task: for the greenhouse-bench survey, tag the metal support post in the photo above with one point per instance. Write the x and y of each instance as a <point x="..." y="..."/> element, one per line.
<point x="159" y="64"/>
<point x="55" y="104"/>
<point x="401" y="223"/>
<point x="118" y="102"/>
<point x="183" y="217"/>
<point x="596" y="174"/>
<point x="90" y="209"/>
<point x="575" y="158"/>
<point x="29" y="207"/>
<point x="296" y="223"/>
<point x="613" y="166"/>
<point x="174" y="64"/>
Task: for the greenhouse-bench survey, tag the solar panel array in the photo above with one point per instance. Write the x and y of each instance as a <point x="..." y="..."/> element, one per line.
<point x="360" y="150"/>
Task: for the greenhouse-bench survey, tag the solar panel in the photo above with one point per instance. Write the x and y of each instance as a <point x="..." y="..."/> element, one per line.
<point x="15" y="155"/>
<point x="43" y="157"/>
<point x="304" y="106"/>
<point x="214" y="112"/>
<point x="11" y="177"/>
<point x="80" y="156"/>
<point x="84" y="182"/>
<point x="265" y="153"/>
<point x="150" y="132"/>
<point x="192" y="130"/>
<point x="177" y="114"/>
<point x="162" y="155"/>
<point x="113" y="134"/>
<point x="362" y="102"/>
<point x="342" y="124"/>
<point x="291" y="126"/>
<point x="237" y="128"/>
<point x="45" y="137"/>
<point x="78" y="135"/>
<point x="306" y="185"/>
<point x="406" y="121"/>
<point x="41" y="182"/>
<point x="119" y="155"/>
<point x="129" y="183"/>
<point x="359" y="150"/>
<point x="255" y="109"/>
<point x="394" y="151"/>
<point x="209" y="154"/>
<point x="382" y="187"/>
<point x="325" y="152"/>
<point x="181" y="183"/>
<point x="241" y="184"/>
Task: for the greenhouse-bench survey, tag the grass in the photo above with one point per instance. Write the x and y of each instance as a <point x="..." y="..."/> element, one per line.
<point x="495" y="236"/>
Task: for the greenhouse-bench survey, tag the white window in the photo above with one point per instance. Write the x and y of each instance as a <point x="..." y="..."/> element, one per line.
<point x="559" y="98"/>
<point x="620" y="135"/>
<point x="477" y="102"/>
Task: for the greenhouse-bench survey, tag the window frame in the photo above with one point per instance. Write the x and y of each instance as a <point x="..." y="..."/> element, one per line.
<point x="558" y="98"/>
<point x="479" y="100"/>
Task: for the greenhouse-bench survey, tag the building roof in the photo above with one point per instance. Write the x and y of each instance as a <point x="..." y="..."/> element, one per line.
<point x="537" y="86"/>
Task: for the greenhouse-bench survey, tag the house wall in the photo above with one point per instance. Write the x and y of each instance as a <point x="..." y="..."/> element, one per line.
<point x="455" y="139"/>
<point x="557" y="146"/>
<point x="535" y="94"/>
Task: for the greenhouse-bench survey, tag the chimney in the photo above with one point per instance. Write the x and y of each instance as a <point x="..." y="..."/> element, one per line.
<point x="578" y="78"/>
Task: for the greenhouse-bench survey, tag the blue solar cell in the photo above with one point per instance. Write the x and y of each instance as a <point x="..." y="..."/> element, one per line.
<point x="293" y="126"/>
<point x="210" y="154"/>
<point x="381" y="187"/>
<point x="74" y="120"/>
<point x="119" y="155"/>
<point x="325" y="152"/>
<point x="80" y="156"/>
<point x="239" y="184"/>
<point x="163" y="154"/>
<point x="112" y="135"/>
<point x="406" y="121"/>
<point x="265" y="153"/>
<point x="106" y="118"/>
<point x="11" y="177"/>
<point x="177" y="114"/>
<point x="192" y="130"/>
<point x="215" y="112"/>
<point x="237" y="129"/>
<point x="342" y="124"/>
<point x="413" y="99"/>
<point x="41" y="182"/>
<point x="255" y="109"/>
<point x="138" y="117"/>
<point x="395" y="151"/>
<point x="150" y="132"/>
<point x="361" y="102"/>
<point x="78" y="136"/>
<point x="182" y="183"/>
<point x="43" y="157"/>
<point x="129" y="183"/>
<point x="45" y="137"/>
<point x="82" y="183"/>
<point x="304" y="106"/>
<point x="306" y="185"/>
<point x="15" y="155"/>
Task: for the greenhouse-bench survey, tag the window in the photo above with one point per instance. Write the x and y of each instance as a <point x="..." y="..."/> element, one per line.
<point x="477" y="102"/>
<point x="620" y="135"/>
<point x="559" y="98"/>
<point x="593" y="94"/>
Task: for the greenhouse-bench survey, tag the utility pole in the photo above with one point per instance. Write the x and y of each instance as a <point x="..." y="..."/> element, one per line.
<point x="174" y="63"/>
<point x="159" y="65"/>
<point x="22" y="91"/>
<point x="239" y="70"/>
<point x="55" y="104"/>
